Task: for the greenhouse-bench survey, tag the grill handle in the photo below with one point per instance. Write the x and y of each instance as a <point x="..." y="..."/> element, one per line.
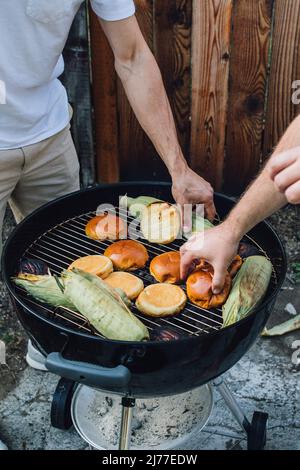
<point x="89" y="374"/>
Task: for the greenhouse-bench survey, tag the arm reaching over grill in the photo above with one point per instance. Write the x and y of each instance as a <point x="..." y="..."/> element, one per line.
<point x="278" y="183"/>
<point x="142" y="81"/>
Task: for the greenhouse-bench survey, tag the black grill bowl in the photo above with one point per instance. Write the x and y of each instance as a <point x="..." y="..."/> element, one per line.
<point x="156" y="368"/>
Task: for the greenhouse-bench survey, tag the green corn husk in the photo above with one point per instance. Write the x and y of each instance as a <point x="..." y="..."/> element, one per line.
<point x="198" y="225"/>
<point x="248" y="289"/>
<point x="45" y="288"/>
<point x="117" y="294"/>
<point x="283" y="328"/>
<point x="136" y="205"/>
<point x="102" y="307"/>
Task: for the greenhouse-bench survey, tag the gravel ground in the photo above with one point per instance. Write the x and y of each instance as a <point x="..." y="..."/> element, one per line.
<point x="11" y="332"/>
<point x="13" y="377"/>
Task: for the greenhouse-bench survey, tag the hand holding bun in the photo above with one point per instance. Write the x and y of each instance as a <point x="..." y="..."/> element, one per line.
<point x="166" y="267"/>
<point x="127" y="255"/>
<point x="199" y="289"/>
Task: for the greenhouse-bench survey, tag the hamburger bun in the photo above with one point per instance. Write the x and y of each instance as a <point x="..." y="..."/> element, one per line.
<point x="130" y="284"/>
<point x="161" y="300"/>
<point x="94" y="264"/>
<point x="166" y="267"/>
<point x="105" y="227"/>
<point x="199" y="289"/>
<point x="235" y="265"/>
<point x="127" y="255"/>
<point x="160" y="222"/>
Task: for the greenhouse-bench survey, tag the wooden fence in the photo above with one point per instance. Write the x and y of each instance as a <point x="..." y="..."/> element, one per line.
<point x="228" y="67"/>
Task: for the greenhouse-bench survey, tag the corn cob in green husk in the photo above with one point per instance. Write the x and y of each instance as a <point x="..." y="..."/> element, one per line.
<point x="102" y="307"/>
<point x="45" y="288"/>
<point x="117" y="294"/>
<point x="198" y="225"/>
<point x="248" y="289"/>
<point x="136" y="205"/>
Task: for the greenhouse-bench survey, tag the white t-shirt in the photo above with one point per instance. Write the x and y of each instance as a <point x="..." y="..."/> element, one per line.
<point x="33" y="102"/>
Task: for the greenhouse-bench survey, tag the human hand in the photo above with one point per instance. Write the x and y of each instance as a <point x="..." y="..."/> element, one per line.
<point x="284" y="170"/>
<point x="217" y="246"/>
<point x="190" y="188"/>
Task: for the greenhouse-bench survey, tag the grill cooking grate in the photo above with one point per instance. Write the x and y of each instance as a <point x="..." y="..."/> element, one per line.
<point x="67" y="241"/>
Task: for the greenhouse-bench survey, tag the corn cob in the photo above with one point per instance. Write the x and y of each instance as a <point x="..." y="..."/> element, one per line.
<point x="117" y="294"/>
<point x="45" y="289"/>
<point x="249" y="287"/>
<point x="105" y="311"/>
<point x="198" y="225"/>
<point x="136" y="205"/>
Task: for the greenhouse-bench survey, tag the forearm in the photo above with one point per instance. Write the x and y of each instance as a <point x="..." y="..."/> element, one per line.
<point x="144" y="88"/>
<point x="260" y="201"/>
<point x="262" y="198"/>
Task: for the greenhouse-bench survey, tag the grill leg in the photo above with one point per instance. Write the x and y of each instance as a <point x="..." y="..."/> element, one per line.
<point x="125" y="432"/>
<point x="232" y="404"/>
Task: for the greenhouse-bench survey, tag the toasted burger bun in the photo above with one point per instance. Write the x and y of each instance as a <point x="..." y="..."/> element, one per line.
<point x="199" y="289"/>
<point x="105" y="227"/>
<point x="130" y="284"/>
<point x="94" y="264"/>
<point x="161" y="300"/>
<point x="160" y="223"/>
<point x="127" y="255"/>
<point x="235" y="265"/>
<point x="166" y="267"/>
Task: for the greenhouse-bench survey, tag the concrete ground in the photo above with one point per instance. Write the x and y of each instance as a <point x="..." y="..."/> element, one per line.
<point x="266" y="379"/>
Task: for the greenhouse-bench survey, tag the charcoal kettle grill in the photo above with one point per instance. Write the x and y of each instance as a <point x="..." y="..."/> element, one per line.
<point x="77" y="353"/>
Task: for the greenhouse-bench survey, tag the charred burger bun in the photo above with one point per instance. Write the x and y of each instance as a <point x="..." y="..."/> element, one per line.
<point x="130" y="284"/>
<point x="199" y="289"/>
<point x="127" y="255"/>
<point x="161" y="300"/>
<point x="166" y="267"/>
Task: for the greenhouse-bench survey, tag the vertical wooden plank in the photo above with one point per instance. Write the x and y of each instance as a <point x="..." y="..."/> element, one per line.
<point x="138" y="158"/>
<point x="285" y="68"/>
<point x="252" y="21"/>
<point x="172" y="48"/>
<point x="210" y="68"/>
<point x="105" y="104"/>
<point x="77" y="81"/>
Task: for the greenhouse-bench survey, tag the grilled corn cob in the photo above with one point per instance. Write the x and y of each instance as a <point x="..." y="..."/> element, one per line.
<point x="249" y="287"/>
<point x="45" y="289"/>
<point x="102" y="306"/>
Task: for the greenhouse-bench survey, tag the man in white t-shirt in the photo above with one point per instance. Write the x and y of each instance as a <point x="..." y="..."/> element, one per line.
<point x="38" y="161"/>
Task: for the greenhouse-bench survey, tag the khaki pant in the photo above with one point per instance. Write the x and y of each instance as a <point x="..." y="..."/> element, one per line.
<point x="36" y="174"/>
